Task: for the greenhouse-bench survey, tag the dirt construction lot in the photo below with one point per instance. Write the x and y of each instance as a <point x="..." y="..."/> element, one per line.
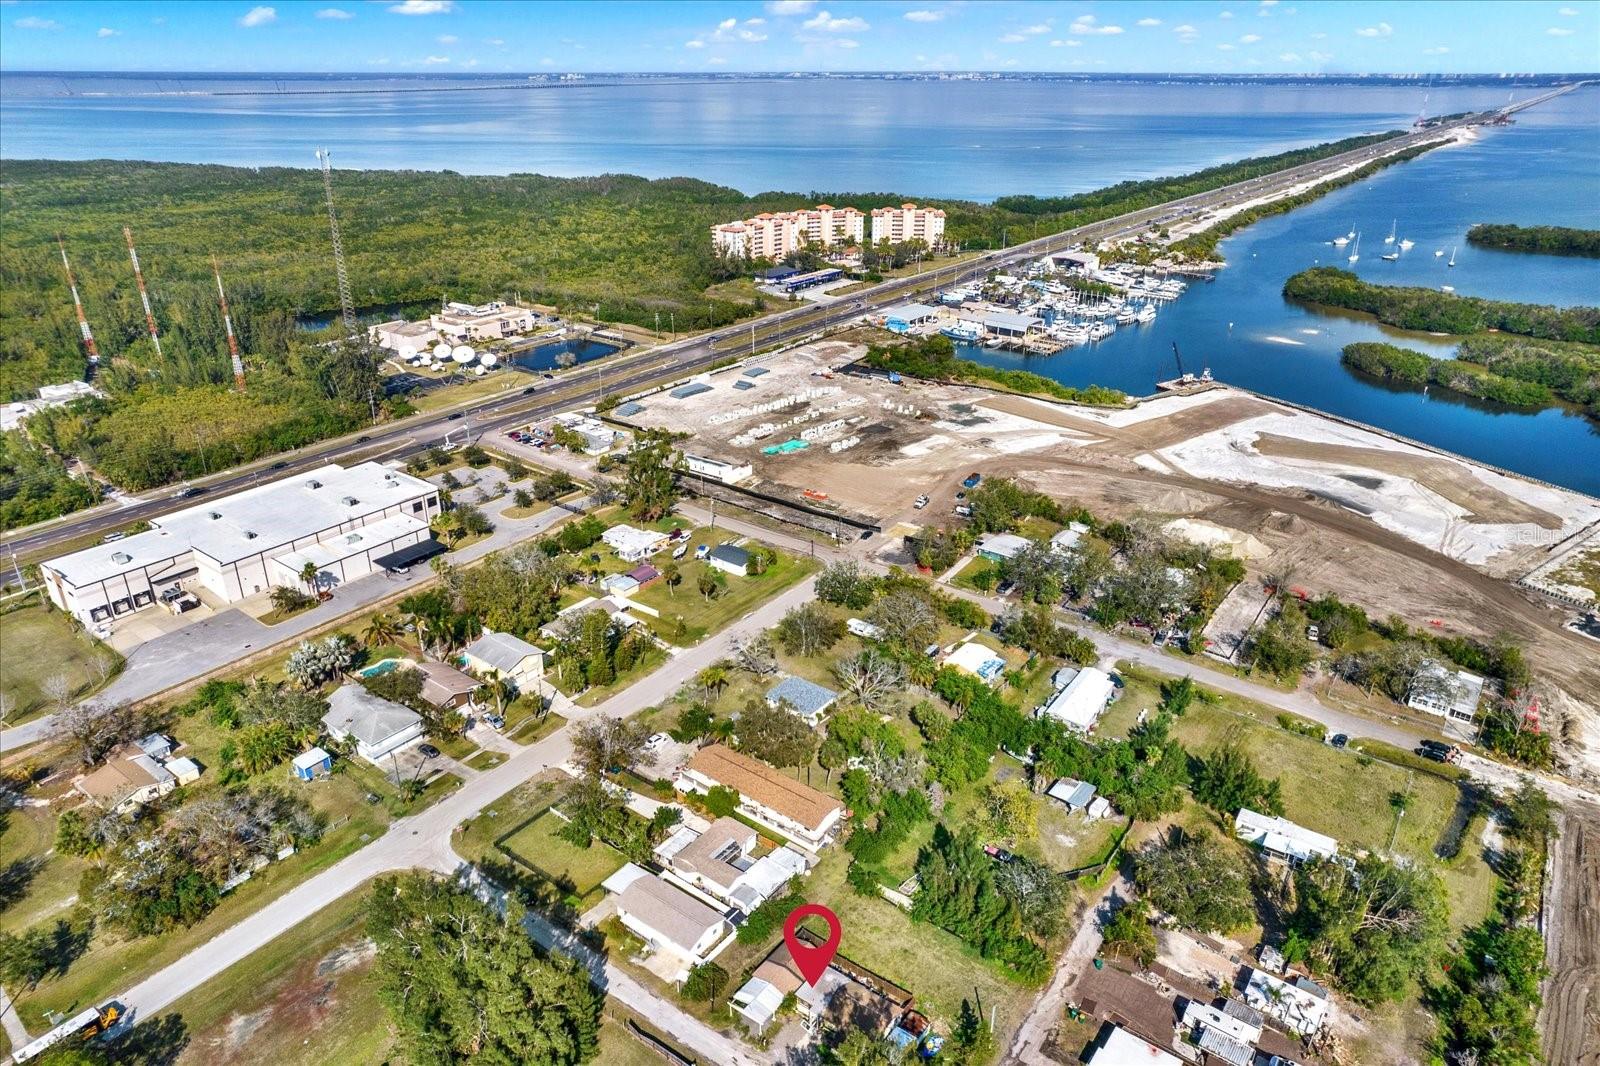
<point x="1391" y="526"/>
<point x="1571" y="1019"/>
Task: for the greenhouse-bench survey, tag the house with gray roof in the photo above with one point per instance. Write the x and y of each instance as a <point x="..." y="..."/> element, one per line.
<point x="378" y="726"/>
<point x="510" y="656"/>
<point x="731" y="559"/>
<point x="804" y="698"/>
<point x="669" y="920"/>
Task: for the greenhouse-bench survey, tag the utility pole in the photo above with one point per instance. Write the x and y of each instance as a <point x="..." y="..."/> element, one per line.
<point x="144" y="297"/>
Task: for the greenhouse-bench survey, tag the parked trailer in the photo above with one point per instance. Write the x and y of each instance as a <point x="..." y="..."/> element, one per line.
<point x="85" y="1025"/>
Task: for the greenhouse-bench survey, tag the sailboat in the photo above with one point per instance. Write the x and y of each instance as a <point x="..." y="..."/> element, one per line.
<point x="1340" y="242"/>
<point x="1389" y="257"/>
<point x="1356" y="254"/>
<point x="1439" y="253"/>
<point x="1393" y="228"/>
<point x="1351" y="234"/>
<point x="1452" y="258"/>
<point x="1407" y="245"/>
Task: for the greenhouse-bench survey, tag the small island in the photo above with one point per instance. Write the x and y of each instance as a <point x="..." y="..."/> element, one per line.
<point x="1543" y="240"/>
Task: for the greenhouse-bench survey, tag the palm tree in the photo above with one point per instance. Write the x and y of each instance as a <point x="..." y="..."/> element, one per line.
<point x="382" y="629"/>
<point x="713" y="678"/>
<point x="672" y="576"/>
<point x="498" y="688"/>
<point x="308" y="576"/>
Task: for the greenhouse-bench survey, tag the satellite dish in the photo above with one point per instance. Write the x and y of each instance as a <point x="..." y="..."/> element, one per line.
<point x="441" y="350"/>
<point x="489" y="359"/>
<point x="463" y="353"/>
<point x="407" y="352"/>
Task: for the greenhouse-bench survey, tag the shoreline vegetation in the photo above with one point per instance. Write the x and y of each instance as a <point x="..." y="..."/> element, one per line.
<point x="934" y="359"/>
<point x="1493" y="367"/>
<point x="1201" y="247"/>
<point x="1541" y="240"/>
<point x="1429" y="311"/>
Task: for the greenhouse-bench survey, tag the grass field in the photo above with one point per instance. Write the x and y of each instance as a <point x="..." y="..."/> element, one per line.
<point x="29" y="838"/>
<point x="580" y="870"/>
<point x="303" y="1000"/>
<point x="38" y="643"/>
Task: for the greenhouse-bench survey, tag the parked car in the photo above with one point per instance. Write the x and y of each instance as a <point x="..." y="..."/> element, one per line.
<point x="922" y="501"/>
<point x="971" y="480"/>
<point x="997" y="853"/>
<point x="110" y="538"/>
<point x="494" y="721"/>
<point x="963" y="510"/>
<point x="679" y="552"/>
<point x="1338" y="740"/>
<point x="428" y="750"/>
<point x="702" y="551"/>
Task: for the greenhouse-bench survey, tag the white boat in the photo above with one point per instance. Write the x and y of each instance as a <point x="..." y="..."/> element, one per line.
<point x="1389" y="256"/>
<point x="1407" y="245"/>
<point x="1127" y="316"/>
<point x="1452" y="258"/>
<point x="970" y="332"/>
<point x="1439" y="253"/>
<point x="1351" y="234"/>
<point x="1340" y="242"/>
<point x="1393" y="228"/>
<point x="1356" y="254"/>
<point x="1101" y="330"/>
<point x="1147" y="313"/>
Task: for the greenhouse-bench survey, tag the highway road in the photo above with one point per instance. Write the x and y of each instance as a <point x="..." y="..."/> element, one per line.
<point x="643" y="369"/>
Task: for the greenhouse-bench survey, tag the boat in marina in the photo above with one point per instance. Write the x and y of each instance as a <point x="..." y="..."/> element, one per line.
<point x="1452" y="258"/>
<point x="1101" y="330"/>
<point x="1147" y="313"/>
<point x="1394" y="228"/>
<point x="1407" y="245"/>
<point x="1127" y="316"/>
<point x="1439" y="253"/>
<point x="967" y="332"/>
<point x="1355" y="255"/>
<point x="1389" y="257"/>
<point x="1340" y="242"/>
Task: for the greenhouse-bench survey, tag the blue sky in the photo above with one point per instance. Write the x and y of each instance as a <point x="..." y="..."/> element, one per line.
<point x="485" y="36"/>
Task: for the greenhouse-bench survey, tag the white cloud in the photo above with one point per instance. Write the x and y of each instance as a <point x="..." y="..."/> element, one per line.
<point x="716" y="61"/>
<point x="107" y="31"/>
<point x="1269" y="3"/>
<point x="1037" y="29"/>
<point x="1440" y="50"/>
<point x="1186" y="30"/>
<point x="1567" y="12"/>
<point x="1559" y="31"/>
<point x="727" y="24"/>
<point x="1382" y="29"/>
<point x="751" y="37"/>
<point x="1012" y="38"/>
<point x="1148" y="22"/>
<point x="1250" y="38"/>
<point x="470" y="63"/>
<point x="33" y="22"/>
<point x="334" y="13"/>
<point x="1319" y="57"/>
<point x="423" y="7"/>
<point x="755" y="22"/>
<point x="1226" y="15"/>
<point x="381" y="61"/>
<point x="825" y="22"/>
<point x="449" y="38"/>
<point x="923" y="16"/>
<point x="547" y="62"/>
<point x="845" y="42"/>
<point x="1058" y="43"/>
<point x="790" y="7"/>
<point x="497" y="42"/>
<point x="259" y="16"/>
<point x="436" y="60"/>
<point x="1084" y="25"/>
<point x="1289" y="57"/>
<point x="697" y="43"/>
<point x="1224" y="47"/>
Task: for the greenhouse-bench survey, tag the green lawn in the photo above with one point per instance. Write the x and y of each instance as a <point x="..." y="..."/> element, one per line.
<point x="581" y="869"/>
<point x="976" y="574"/>
<point x="39" y="643"/>
<point x="486" y="760"/>
<point x="702" y="617"/>
<point x="29" y="838"/>
<point x="302" y="1000"/>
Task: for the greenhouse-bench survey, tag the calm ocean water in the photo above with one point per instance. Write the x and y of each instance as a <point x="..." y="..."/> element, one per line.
<point x="974" y="140"/>
<point x="1543" y="170"/>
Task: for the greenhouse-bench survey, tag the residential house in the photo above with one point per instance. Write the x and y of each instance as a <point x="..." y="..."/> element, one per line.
<point x="847" y="996"/>
<point x="976" y="659"/>
<point x="445" y="687"/>
<point x="185" y="770"/>
<point x="129" y="779"/>
<point x="1281" y="838"/>
<point x="1227" y="1034"/>
<point x="721" y="864"/>
<point x="618" y="585"/>
<point x="807" y="817"/>
<point x="730" y="559"/>
<point x="1116" y="1046"/>
<point x="633" y="545"/>
<point x="804" y="698"/>
<point x="1082" y="700"/>
<point x="157" y="746"/>
<point x="1076" y="795"/>
<point x="510" y="656"/>
<point x="643" y="574"/>
<point x="668" y="919"/>
<point x="1446" y="693"/>
<point x="998" y="547"/>
<point x="1067" y="539"/>
<point x="1301" y="1005"/>
<point x="378" y="726"/>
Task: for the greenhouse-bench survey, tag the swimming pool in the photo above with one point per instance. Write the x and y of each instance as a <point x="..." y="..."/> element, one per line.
<point x="381" y="668"/>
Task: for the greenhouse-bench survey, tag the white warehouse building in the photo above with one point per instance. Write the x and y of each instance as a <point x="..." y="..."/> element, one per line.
<point x="348" y="522"/>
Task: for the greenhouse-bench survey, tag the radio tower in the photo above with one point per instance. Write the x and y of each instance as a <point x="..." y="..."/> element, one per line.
<point x="144" y="297"/>
<point x="346" y="306"/>
<point x="227" y="322"/>
<point x="77" y="303"/>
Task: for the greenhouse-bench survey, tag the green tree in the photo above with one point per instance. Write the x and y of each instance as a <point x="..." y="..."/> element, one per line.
<point x="465" y="984"/>
<point x="1201" y="882"/>
<point x="650" y="485"/>
<point x="1227" y="779"/>
<point x="1128" y="934"/>
<point x="776" y="735"/>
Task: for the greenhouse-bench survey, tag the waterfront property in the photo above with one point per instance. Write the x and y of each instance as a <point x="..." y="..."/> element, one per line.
<point x="908" y="222"/>
<point x="345" y="522"/>
<point x="805" y="816"/>
<point x="772" y="235"/>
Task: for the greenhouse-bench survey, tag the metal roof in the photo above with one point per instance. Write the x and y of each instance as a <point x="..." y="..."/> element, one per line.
<point x="683" y="392"/>
<point x="909" y="312"/>
<point x="806" y="697"/>
<point x="1008" y="320"/>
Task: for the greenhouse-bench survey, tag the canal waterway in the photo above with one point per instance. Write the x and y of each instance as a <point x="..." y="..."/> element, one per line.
<point x="1544" y="170"/>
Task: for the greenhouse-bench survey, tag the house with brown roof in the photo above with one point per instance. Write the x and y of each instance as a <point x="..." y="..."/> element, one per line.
<point x="445" y="687"/>
<point x="804" y="815"/>
<point x="129" y="779"/>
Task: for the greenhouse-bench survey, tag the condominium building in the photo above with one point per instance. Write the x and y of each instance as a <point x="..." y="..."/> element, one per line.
<point x="908" y="222"/>
<point x="775" y="235"/>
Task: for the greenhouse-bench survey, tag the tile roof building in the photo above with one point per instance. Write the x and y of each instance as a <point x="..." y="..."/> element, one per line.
<point x="804" y="815"/>
<point x="908" y="222"/>
<point x="774" y="235"/>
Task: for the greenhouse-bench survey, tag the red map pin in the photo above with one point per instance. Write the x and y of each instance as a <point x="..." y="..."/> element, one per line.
<point x="813" y="961"/>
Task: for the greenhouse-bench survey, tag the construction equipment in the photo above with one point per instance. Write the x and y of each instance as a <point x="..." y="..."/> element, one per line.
<point x="85" y="1025"/>
<point x="144" y="297"/>
<point x="346" y="305"/>
<point x="77" y="303"/>
<point x="1175" y="355"/>
<point x="227" y="323"/>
